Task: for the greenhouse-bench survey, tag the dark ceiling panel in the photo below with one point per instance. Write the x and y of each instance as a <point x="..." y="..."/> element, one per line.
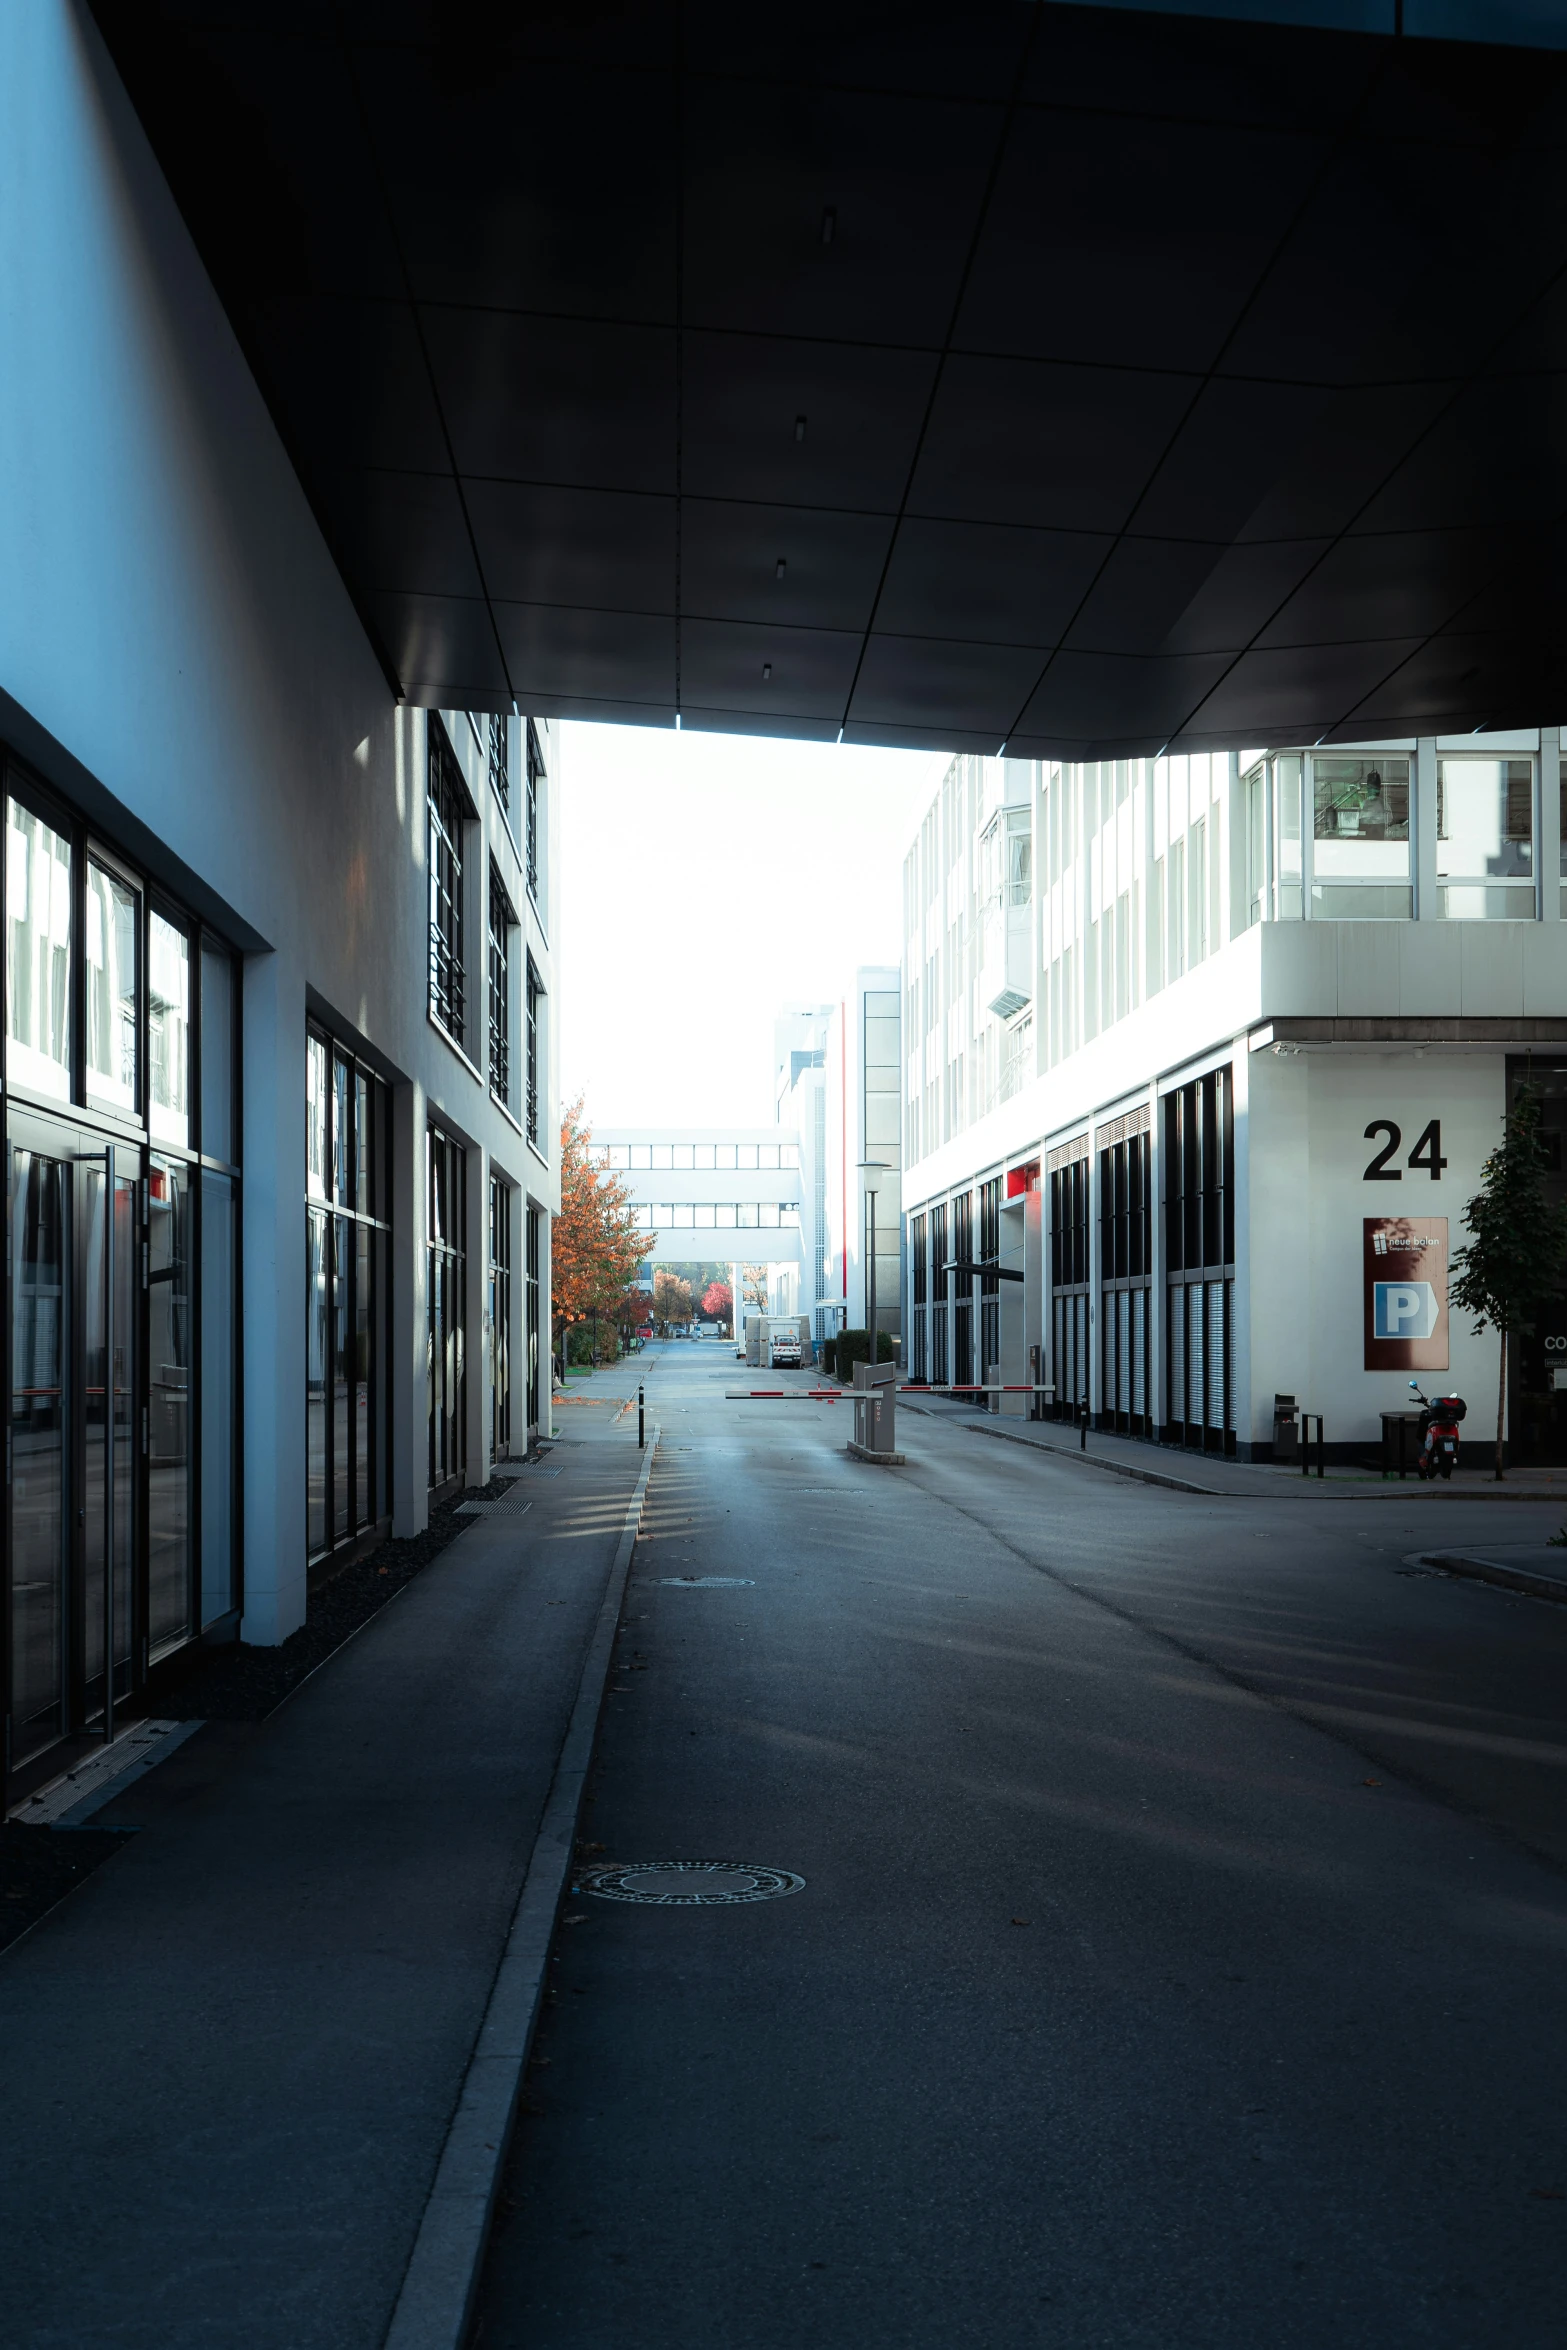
<point x="349" y="382"/>
<point x="730" y="553"/>
<point x="441" y="643"/>
<point x="803" y="672"/>
<point x="1089" y="250"/>
<point x="902" y="179"/>
<point x="920" y="681"/>
<point x="743" y="396"/>
<point x="982" y="582"/>
<point x="1282" y="696"/>
<point x="556" y="399"/>
<point x="1295" y="287"/>
<point x="1063" y="448"/>
<point x="477" y="201"/>
<point x="1239" y="595"/>
<point x="1391" y="585"/>
<point x="1103" y="697"/>
<point x="405" y="536"/>
<point x="542" y="545"/>
<point x="610" y="656"/>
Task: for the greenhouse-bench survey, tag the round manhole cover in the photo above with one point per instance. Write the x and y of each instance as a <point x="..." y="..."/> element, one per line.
<point x="705" y="1582"/>
<point x="689" y="1884"/>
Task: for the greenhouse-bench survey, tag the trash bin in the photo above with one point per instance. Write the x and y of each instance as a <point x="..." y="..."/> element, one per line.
<point x="1400" y="1442"/>
<point x="1286" y="1430"/>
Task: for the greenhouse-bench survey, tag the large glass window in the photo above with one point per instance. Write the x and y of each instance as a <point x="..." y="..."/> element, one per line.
<point x="168" y="1029"/>
<point x="346" y="1336"/>
<point x="1485" y="839"/>
<point x="500" y="1318"/>
<point x="38" y="954"/>
<point x="112" y="955"/>
<point x="500" y="764"/>
<point x="502" y="922"/>
<point x="169" y="1399"/>
<point x="444" y="853"/>
<point x="446" y="1211"/>
<point x="1360" y="839"/>
<point x="534" y="996"/>
<point x="531" y="1301"/>
<point x="219" y="1237"/>
<point x="535" y="762"/>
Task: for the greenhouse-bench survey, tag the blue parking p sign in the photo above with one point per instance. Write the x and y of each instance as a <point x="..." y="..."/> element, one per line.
<point x="1403" y="1309"/>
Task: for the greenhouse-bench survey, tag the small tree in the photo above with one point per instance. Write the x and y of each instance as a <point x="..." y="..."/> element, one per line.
<point x="718" y="1301"/>
<point x="671" y="1299"/>
<point x="596" y="1242"/>
<point x="1518" y="1241"/>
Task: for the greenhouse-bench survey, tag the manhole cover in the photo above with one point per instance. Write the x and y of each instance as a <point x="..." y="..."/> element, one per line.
<point x="689" y="1884"/>
<point x="704" y="1582"/>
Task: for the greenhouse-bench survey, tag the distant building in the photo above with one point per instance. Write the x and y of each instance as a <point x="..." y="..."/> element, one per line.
<point x="837" y="1070"/>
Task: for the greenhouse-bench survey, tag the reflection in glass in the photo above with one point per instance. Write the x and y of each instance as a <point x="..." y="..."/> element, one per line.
<point x="364" y="1144"/>
<point x="168" y="1404"/>
<point x="1360" y="828"/>
<point x="38" y="954"/>
<point x="110" y="1011"/>
<point x="364" y="1342"/>
<point x="1485" y="839"/>
<point x="342" y="1417"/>
<point x="168" y="1029"/>
<point x="108" y="1401"/>
<point x="342" y="1138"/>
<point x="316" y="1335"/>
<point x="217" y="1053"/>
<point x="315" y="1117"/>
<point x="38" y="1261"/>
<point x="219" y="1267"/>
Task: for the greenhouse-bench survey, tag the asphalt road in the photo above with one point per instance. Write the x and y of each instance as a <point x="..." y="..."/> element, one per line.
<point x="1180" y="1954"/>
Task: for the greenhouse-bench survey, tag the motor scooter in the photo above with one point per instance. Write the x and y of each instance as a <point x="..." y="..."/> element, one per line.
<point x="1439" y="1418"/>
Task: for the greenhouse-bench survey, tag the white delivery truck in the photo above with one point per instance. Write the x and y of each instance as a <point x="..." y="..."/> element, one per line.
<point x="776" y="1341"/>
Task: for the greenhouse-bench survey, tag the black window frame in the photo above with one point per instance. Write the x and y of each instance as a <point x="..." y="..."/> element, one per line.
<point x="531" y="1108"/>
<point x="447" y="811"/>
<point x="500" y="762"/>
<point x="533" y="762"/>
<point x="502" y="922"/>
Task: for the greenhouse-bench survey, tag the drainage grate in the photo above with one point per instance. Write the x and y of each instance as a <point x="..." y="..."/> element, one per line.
<point x="688" y="1884"/>
<point x="510" y="1505"/>
<point x="702" y="1582"/>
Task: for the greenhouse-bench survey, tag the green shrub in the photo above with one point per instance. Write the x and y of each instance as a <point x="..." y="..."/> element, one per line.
<point x="854" y="1346"/>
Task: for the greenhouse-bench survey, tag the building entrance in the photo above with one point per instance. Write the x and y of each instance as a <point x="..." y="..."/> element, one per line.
<point x="76" y="1238"/>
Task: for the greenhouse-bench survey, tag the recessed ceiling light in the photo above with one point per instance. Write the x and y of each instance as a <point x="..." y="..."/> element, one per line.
<point x="799" y="428"/>
<point x="829" y="223"/>
<point x="767" y="669"/>
<point x="782" y="567"/>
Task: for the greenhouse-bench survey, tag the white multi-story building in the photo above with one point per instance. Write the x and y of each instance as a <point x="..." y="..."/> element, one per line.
<point x="1211" y="1051"/>
<point x="837" y="1080"/>
<point x="278" y="1083"/>
<point x="724" y="1194"/>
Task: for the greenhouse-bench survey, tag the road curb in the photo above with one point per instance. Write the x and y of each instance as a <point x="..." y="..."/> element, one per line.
<point x="435" y="2304"/>
<point x="1483" y="1570"/>
<point x="1094" y="1460"/>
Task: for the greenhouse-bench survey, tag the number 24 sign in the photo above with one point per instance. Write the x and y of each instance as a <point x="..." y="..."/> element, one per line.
<point x="1427" y="1153"/>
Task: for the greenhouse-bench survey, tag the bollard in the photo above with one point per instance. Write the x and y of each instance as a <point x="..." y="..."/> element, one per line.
<point x="641" y="1442"/>
<point x="1082" y="1427"/>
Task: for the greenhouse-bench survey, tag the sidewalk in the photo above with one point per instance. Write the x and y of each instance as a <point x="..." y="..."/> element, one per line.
<point x="231" y="2057"/>
<point x="1208" y="1473"/>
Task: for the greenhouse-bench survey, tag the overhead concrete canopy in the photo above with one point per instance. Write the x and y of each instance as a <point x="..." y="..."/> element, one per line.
<point x="951" y="374"/>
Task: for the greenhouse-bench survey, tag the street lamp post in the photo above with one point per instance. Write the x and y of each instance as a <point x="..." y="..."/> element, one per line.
<point x="871" y="1172"/>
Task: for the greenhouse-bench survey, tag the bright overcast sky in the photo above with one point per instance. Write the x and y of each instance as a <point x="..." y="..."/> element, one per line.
<point x="709" y="879"/>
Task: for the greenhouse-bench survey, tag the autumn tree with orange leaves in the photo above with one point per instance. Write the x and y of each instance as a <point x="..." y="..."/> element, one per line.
<point x="596" y="1243"/>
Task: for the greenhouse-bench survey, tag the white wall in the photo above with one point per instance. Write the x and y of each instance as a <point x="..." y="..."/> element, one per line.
<point x="180" y="658"/>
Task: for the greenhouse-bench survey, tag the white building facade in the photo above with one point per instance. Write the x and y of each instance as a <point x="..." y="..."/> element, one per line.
<point x="837" y="1080"/>
<point x="1211" y="1050"/>
<point x="716" y="1194"/>
<point x="278" y="1077"/>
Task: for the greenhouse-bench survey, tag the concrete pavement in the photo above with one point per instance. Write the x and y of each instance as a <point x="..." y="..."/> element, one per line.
<point x="1180" y="1951"/>
<point x="228" y="2062"/>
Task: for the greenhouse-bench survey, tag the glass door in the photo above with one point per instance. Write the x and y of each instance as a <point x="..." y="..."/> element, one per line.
<point x="74" y="1333"/>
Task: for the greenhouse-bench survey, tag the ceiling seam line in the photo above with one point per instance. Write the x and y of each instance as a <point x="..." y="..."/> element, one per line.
<point x="429" y="365"/>
<point x="680" y="338"/>
<point x="1025" y="57"/>
<point x="1253" y="643"/>
<point x="1291" y="227"/>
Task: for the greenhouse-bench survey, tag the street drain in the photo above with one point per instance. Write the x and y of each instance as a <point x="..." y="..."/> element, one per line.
<point x="688" y="1884"/>
<point x="703" y="1582"/>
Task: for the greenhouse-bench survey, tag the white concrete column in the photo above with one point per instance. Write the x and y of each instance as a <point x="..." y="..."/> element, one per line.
<point x="1244" y="1405"/>
<point x="410" y="1374"/>
<point x="1549" y="843"/>
<point x="476" y="1307"/>
<point x="1425" y="829"/>
<point x="1158" y="1298"/>
<point x="546" y="1326"/>
<point x="273" y="1291"/>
